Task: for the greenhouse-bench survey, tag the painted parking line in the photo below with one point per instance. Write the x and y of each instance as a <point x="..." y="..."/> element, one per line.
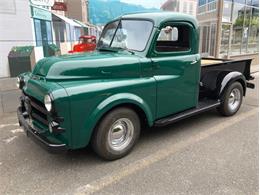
<point x="134" y="167"/>
<point x="19" y="130"/>
<point x="10" y="139"/>
<point x="8" y="125"/>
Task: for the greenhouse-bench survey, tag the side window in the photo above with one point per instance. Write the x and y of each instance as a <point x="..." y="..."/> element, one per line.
<point x="174" y="39"/>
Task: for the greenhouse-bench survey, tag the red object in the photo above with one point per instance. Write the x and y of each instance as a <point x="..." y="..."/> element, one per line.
<point x="86" y="44"/>
<point x="60" y="6"/>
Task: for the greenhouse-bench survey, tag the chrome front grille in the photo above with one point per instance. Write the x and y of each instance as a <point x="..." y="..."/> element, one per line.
<point x="36" y="109"/>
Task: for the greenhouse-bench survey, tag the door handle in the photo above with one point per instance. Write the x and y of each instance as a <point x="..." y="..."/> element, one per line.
<point x="105" y="72"/>
<point x="194" y="62"/>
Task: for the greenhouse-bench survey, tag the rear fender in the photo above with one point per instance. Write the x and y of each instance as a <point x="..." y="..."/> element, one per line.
<point x="215" y="82"/>
<point x="230" y="78"/>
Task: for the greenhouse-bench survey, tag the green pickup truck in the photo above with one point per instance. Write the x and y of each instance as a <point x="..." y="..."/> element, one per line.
<point x="146" y="71"/>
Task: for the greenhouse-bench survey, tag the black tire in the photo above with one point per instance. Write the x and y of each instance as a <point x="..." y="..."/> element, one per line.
<point x="117" y="120"/>
<point x="225" y="108"/>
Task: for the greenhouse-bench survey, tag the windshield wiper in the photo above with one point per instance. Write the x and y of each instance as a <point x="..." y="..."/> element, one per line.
<point x="126" y="49"/>
<point x="106" y="49"/>
<point x="115" y="49"/>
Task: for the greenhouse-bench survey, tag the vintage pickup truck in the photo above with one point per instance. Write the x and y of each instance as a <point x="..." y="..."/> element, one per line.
<point x="146" y="71"/>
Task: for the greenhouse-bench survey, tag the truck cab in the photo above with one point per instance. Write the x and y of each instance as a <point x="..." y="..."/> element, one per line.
<point x="145" y="71"/>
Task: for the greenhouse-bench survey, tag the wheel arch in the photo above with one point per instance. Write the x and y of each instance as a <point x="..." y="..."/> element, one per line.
<point x="132" y="101"/>
<point x="215" y="82"/>
<point x="230" y="78"/>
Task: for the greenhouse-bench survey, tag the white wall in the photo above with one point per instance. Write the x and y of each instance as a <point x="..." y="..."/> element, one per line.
<point x="15" y="29"/>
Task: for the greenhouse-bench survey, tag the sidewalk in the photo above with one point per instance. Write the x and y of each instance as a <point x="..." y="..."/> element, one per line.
<point x="9" y="94"/>
<point x="254" y="68"/>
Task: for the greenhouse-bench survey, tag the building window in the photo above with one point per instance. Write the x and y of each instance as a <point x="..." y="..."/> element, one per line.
<point x="213" y="29"/>
<point x="38" y="32"/>
<point x="243" y="24"/>
<point x="68" y="32"/>
<point x="227" y="10"/>
<point x="212" y="5"/>
<point x="205" y="33"/>
<point x="202" y="9"/>
<point x="191" y="8"/>
<point x="43" y="32"/>
<point x="60" y="32"/>
<point x="237" y="31"/>
<point x="185" y="7"/>
<point x="239" y="1"/>
<point x="77" y="33"/>
<point x="202" y="2"/>
<point x="49" y="32"/>
<point x="7" y="7"/>
<point x="253" y="32"/>
<point x="206" y="6"/>
<point x="255" y="3"/>
<point x="225" y="30"/>
<point x="208" y="39"/>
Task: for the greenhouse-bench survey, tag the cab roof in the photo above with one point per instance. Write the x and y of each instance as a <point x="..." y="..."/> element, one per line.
<point x="161" y="17"/>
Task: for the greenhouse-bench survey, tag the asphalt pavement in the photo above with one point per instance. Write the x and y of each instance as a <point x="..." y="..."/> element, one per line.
<point x="205" y="154"/>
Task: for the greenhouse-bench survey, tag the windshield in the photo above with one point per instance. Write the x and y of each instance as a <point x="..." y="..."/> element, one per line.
<point x="126" y="34"/>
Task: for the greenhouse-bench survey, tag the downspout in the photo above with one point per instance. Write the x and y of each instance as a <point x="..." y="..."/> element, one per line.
<point x="230" y="31"/>
<point x="219" y="28"/>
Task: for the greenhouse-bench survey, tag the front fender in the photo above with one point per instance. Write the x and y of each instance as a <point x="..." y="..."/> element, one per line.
<point x="113" y="101"/>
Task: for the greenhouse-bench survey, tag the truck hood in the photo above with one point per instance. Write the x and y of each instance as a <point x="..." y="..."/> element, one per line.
<point x="88" y="66"/>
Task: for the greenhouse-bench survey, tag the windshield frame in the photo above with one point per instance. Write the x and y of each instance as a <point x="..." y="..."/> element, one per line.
<point x="119" y="21"/>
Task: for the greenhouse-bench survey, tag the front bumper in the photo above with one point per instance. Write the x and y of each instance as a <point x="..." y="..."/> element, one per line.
<point x="37" y="137"/>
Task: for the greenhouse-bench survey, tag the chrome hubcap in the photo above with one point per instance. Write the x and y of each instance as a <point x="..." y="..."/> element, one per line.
<point x="234" y="99"/>
<point x="120" y="134"/>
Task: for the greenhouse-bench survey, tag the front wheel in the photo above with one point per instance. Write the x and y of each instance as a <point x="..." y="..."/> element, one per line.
<point x="232" y="99"/>
<point x="116" y="134"/>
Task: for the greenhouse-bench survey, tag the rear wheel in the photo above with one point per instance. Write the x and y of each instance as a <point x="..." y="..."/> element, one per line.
<point x="232" y="99"/>
<point x="116" y="134"/>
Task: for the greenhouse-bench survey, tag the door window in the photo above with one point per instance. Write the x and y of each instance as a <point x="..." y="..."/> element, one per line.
<point x="174" y="39"/>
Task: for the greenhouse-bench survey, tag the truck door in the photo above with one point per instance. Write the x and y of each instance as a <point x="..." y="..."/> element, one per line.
<point x="176" y="68"/>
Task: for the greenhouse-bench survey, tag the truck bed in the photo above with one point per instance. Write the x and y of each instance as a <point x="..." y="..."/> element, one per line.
<point x="214" y="64"/>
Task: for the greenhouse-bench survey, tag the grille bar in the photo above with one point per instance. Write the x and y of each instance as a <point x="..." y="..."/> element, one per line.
<point x="37" y="117"/>
<point x="38" y="111"/>
<point x="40" y="108"/>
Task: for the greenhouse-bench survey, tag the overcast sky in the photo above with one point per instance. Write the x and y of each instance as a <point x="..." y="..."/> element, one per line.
<point x="146" y="3"/>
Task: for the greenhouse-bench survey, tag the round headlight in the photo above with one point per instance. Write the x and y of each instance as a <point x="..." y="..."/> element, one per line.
<point x="18" y="82"/>
<point x="48" y="102"/>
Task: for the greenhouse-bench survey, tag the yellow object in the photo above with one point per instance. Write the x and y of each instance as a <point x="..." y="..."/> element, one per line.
<point x="209" y="61"/>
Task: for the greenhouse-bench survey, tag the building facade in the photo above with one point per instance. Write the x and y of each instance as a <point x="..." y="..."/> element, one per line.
<point x="228" y="28"/>
<point x="15" y="29"/>
<point x="77" y="9"/>
<point x="184" y="6"/>
<point x="34" y="23"/>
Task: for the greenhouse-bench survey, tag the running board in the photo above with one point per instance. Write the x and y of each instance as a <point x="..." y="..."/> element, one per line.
<point x="203" y="106"/>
